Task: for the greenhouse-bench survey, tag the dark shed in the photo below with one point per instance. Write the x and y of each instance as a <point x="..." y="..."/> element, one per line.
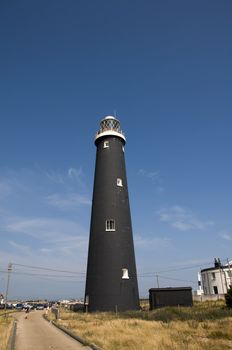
<point x="173" y="296"/>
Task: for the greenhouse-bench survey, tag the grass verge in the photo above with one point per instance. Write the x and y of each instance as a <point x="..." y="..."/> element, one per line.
<point x="6" y="322"/>
<point x="205" y="326"/>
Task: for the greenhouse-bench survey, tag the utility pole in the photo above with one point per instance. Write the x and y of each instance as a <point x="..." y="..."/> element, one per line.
<point x="230" y="274"/>
<point x="157" y="280"/>
<point x="9" y="269"/>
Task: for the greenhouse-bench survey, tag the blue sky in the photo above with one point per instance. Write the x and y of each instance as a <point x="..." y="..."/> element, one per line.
<point x="164" y="69"/>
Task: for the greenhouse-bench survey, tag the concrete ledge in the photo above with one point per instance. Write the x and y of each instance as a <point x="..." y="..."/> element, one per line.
<point x="209" y="297"/>
<point x="71" y="334"/>
<point x="11" y="341"/>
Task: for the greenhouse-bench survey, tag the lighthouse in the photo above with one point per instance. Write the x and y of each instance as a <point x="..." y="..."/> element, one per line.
<point x="111" y="280"/>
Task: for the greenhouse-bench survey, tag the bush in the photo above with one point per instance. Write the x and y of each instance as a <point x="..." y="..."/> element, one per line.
<point x="228" y="297"/>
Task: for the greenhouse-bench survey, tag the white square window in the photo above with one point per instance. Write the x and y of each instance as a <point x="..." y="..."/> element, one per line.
<point x="125" y="275"/>
<point x="119" y="182"/>
<point x="106" y="144"/>
<point x="110" y="225"/>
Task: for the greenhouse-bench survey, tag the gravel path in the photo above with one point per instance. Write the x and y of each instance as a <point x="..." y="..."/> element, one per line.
<point x="35" y="333"/>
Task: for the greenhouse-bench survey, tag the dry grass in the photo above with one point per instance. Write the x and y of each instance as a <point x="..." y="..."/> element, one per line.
<point x="206" y="326"/>
<point x="5" y="329"/>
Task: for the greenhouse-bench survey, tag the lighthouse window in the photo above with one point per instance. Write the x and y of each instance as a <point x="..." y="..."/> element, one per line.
<point x="110" y="225"/>
<point x="125" y="275"/>
<point x="106" y="144"/>
<point x="119" y="182"/>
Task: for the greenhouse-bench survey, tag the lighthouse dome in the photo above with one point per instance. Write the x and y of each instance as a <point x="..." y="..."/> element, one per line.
<point x="110" y="126"/>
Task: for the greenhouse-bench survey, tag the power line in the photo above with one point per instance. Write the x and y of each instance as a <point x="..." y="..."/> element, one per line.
<point x="176" y="279"/>
<point x="49" y="269"/>
<point x="174" y="269"/>
<point x="38" y="274"/>
<point x="83" y="274"/>
<point x="187" y="267"/>
<point x="47" y="276"/>
<point x="168" y="278"/>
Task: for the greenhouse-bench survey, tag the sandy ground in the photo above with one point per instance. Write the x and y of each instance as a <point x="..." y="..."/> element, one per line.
<point x="35" y="333"/>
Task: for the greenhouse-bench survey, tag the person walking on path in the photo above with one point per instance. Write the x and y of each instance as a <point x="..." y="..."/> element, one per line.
<point x="27" y="311"/>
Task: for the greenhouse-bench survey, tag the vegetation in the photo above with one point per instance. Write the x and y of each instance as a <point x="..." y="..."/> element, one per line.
<point x="205" y="326"/>
<point x="228" y="297"/>
<point x="6" y="323"/>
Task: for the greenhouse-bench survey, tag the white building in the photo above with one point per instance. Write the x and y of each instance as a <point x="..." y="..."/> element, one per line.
<point x="217" y="279"/>
<point x="1" y="298"/>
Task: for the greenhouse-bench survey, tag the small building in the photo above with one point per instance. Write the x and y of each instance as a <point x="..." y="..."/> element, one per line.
<point x="172" y="296"/>
<point x="217" y="279"/>
<point x="76" y="306"/>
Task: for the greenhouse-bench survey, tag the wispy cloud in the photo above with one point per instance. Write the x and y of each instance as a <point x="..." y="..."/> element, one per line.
<point x="48" y="237"/>
<point x="5" y="188"/>
<point x="67" y="201"/>
<point x="55" y="177"/>
<point x="26" y="190"/>
<point x="151" y="242"/>
<point x="46" y="251"/>
<point x="53" y="230"/>
<point x="155" y="177"/>
<point x="11" y="184"/>
<point x="227" y="236"/>
<point x="76" y="174"/>
<point x="183" y="219"/>
<point x="20" y="247"/>
<point x="31" y="231"/>
<point x="72" y="174"/>
<point x="66" y="249"/>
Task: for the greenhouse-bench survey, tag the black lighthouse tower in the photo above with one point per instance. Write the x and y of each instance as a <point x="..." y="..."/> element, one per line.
<point x="111" y="282"/>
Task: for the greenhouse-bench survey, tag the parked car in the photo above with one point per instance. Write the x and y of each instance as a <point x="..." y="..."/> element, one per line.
<point x="39" y="307"/>
<point x="27" y="306"/>
<point x="19" y="306"/>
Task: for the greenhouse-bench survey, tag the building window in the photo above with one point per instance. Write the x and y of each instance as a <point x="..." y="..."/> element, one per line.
<point x="106" y="144"/>
<point x="119" y="182"/>
<point x="213" y="276"/>
<point x="110" y="225"/>
<point x="215" y="290"/>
